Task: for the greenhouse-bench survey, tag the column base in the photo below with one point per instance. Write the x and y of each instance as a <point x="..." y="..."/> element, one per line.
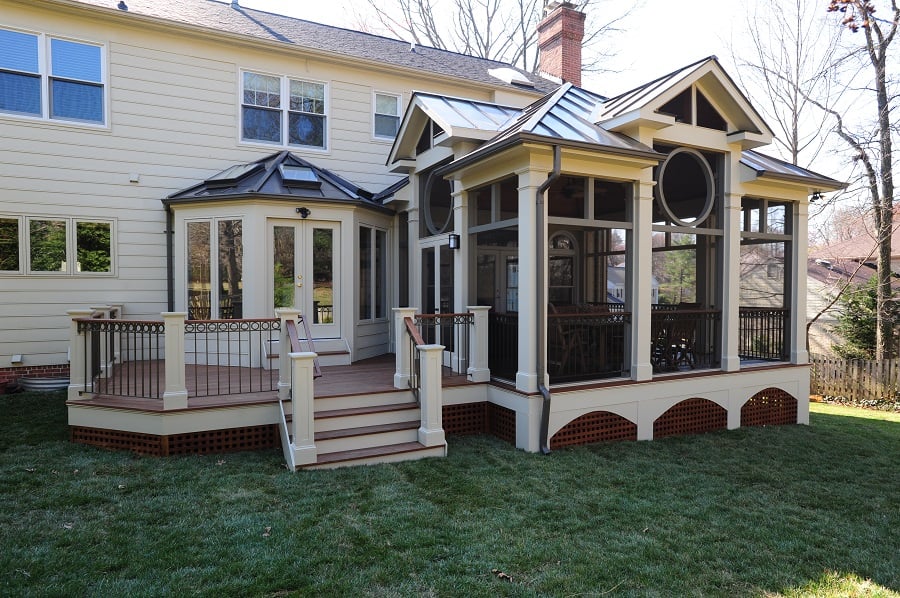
<point x="479" y="374"/>
<point x="526" y="382"/>
<point x="175" y="400"/>
<point x="305" y="455"/>
<point x="401" y="380"/>
<point x="432" y="437"/>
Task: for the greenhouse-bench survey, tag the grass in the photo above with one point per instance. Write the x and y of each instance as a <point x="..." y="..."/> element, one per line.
<point x="792" y="511"/>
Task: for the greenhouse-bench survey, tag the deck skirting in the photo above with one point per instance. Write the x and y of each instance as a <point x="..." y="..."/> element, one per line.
<point x="205" y="442"/>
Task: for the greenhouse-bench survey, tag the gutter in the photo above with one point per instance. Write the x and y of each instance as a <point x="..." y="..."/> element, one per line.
<point x="542" y="301"/>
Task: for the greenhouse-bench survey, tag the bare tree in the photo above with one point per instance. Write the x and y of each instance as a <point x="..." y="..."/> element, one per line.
<point x="503" y="30"/>
<point x="872" y="145"/>
<point x="790" y="59"/>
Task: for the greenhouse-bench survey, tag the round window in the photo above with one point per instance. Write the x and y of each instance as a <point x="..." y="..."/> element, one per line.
<point x="685" y="187"/>
<point x="438" y="205"/>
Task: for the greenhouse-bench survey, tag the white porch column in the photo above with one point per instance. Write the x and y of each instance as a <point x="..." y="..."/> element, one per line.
<point x="175" y="395"/>
<point x="478" y="345"/>
<point x="286" y="315"/>
<point x="401" y="349"/>
<point x="78" y="357"/>
<point x="731" y="283"/>
<point x="415" y="249"/>
<point x="640" y="273"/>
<point x="527" y="377"/>
<point x="303" y="408"/>
<point x="461" y="268"/>
<point x="799" y="254"/>
<point x="431" y="431"/>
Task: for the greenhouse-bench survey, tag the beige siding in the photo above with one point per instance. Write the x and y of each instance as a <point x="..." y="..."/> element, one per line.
<point x="173" y="120"/>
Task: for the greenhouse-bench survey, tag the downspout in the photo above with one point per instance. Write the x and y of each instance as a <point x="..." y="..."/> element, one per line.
<point x="542" y="302"/>
<point x="170" y="270"/>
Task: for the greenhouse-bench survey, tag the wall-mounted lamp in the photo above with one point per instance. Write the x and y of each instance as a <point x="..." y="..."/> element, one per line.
<point x="454" y="241"/>
<point x="304" y="212"/>
<point x="816" y="196"/>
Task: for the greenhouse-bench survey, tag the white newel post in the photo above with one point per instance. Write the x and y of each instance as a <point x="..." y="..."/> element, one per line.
<point x="286" y="315"/>
<point x="479" y="370"/>
<point x="78" y="358"/>
<point x="431" y="432"/>
<point x="303" y="407"/>
<point x="401" y="346"/>
<point x="175" y="395"/>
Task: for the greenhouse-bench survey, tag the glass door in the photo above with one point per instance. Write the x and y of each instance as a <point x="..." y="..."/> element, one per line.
<point x="303" y="272"/>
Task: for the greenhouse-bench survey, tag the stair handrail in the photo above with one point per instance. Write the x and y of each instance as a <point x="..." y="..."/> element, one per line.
<point x="294" y="338"/>
<point x="415" y="341"/>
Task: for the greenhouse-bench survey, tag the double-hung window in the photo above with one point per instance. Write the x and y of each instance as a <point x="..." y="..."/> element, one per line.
<point x="48" y="77"/>
<point x="386" y="120"/>
<point x="276" y="109"/>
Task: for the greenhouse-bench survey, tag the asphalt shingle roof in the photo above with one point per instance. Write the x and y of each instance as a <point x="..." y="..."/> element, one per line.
<point x="221" y="16"/>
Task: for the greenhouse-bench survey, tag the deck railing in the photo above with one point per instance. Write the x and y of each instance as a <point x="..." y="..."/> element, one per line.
<point x="453" y="331"/>
<point x="227" y="356"/>
<point x="763" y="333"/>
<point x="169" y="359"/>
<point x="122" y="357"/>
<point x="685" y="339"/>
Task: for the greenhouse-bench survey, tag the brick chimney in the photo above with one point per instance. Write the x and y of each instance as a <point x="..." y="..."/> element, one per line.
<point x="559" y="40"/>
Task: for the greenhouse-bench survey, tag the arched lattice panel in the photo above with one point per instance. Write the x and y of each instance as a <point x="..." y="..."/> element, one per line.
<point x="596" y="426"/>
<point x="769" y="407"/>
<point x="691" y="416"/>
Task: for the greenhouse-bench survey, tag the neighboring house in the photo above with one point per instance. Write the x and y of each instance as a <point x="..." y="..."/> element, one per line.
<point x="200" y="157"/>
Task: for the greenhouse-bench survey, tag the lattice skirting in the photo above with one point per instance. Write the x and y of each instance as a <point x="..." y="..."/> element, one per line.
<point x="692" y="416"/>
<point x="769" y="407"/>
<point x="597" y="426"/>
<point x="465" y="419"/>
<point x="480" y="418"/>
<point x="502" y="422"/>
<point x="196" y="443"/>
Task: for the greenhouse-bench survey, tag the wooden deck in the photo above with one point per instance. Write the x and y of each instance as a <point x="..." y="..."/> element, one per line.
<point x="244" y="386"/>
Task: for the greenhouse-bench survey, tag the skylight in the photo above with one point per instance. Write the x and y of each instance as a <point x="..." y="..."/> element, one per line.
<point x="230" y="176"/>
<point x="299" y="176"/>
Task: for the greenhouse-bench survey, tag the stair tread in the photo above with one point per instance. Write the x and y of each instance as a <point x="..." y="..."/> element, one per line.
<point x="376" y="451"/>
<point x="364" y="430"/>
<point x="328" y="413"/>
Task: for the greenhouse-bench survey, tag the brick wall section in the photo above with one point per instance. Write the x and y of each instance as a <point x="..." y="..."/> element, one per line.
<point x="8" y="375"/>
<point x="559" y="39"/>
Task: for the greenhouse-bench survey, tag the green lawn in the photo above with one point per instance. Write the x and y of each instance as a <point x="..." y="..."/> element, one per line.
<point x="769" y="511"/>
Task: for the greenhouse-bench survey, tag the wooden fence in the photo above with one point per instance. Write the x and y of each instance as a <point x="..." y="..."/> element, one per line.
<point x="854" y="379"/>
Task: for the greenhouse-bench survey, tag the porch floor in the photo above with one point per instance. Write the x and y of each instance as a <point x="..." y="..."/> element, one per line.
<point x="368" y="376"/>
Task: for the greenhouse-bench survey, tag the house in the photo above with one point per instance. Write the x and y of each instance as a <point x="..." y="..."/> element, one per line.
<point x="214" y="164"/>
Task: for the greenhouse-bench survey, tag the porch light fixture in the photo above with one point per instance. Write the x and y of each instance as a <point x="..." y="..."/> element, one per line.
<point x="304" y="212"/>
<point x="816" y="196"/>
<point x="454" y="241"/>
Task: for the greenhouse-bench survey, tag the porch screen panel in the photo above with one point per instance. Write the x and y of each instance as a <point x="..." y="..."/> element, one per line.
<point x="199" y="284"/>
<point x="283" y="270"/>
<point x="323" y="276"/>
<point x="231" y="271"/>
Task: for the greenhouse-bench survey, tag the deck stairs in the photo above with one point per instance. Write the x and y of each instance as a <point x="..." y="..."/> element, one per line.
<point x="362" y="430"/>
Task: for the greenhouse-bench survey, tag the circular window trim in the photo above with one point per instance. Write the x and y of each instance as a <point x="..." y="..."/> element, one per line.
<point x="710" y="187"/>
<point x="429" y="221"/>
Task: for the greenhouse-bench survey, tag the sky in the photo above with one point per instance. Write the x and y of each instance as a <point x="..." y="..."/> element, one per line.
<point x="658" y="37"/>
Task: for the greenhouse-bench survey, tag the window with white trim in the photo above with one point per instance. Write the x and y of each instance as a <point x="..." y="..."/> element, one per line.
<point x="284" y="111"/>
<point x="386" y="118"/>
<point x="51" y="245"/>
<point x="48" y="77"/>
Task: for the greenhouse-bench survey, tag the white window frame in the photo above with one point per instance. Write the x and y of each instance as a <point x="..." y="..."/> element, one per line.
<point x="285" y="111"/>
<point x="399" y="116"/>
<point x="20" y="241"/>
<point x="373" y="279"/>
<point x="71" y="262"/>
<point x="45" y="72"/>
<point x="214" y="279"/>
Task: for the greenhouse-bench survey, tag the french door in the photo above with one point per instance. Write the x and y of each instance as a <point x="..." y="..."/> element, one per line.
<point x="303" y="272"/>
